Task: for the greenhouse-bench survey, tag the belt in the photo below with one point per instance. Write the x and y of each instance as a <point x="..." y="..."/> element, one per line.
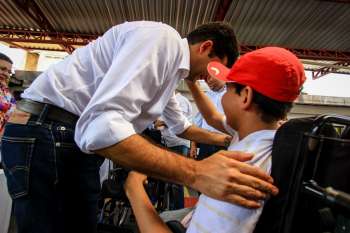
<point x="53" y="113"/>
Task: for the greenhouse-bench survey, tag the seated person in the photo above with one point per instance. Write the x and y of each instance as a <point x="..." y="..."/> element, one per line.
<point x="261" y="88"/>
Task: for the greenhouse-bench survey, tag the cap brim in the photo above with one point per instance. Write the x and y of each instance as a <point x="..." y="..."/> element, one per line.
<point x="218" y="70"/>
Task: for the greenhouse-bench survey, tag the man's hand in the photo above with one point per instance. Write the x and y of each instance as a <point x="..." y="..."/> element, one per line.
<point x="159" y="125"/>
<point x="226" y="177"/>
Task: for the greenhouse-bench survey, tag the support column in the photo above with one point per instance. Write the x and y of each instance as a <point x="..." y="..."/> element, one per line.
<point x="32" y="61"/>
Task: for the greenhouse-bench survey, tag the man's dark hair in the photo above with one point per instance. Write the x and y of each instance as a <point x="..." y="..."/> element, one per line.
<point x="5" y="58"/>
<point x="271" y="110"/>
<point x="224" y="40"/>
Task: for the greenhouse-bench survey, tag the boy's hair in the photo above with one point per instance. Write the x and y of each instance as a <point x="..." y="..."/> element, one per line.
<point x="270" y="110"/>
<point x="224" y="40"/>
<point x="5" y="58"/>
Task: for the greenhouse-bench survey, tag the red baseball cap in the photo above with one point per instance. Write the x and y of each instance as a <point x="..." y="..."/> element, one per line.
<point x="273" y="72"/>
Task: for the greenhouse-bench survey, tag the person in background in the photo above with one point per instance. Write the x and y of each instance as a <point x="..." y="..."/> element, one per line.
<point x="179" y="145"/>
<point x="7" y="101"/>
<point x="217" y="90"/>
<point x="172" y="141"/>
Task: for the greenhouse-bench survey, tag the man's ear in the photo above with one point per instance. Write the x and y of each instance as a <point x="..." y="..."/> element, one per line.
<point x="206" y="46"/>
<point x="246" y="97"/>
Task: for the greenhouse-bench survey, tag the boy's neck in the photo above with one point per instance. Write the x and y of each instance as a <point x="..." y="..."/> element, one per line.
<point x="247" y="127"/>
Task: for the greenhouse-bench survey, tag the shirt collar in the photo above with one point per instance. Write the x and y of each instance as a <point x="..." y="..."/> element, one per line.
<point x="266" y="134"/>
<point x="185" y="61"/>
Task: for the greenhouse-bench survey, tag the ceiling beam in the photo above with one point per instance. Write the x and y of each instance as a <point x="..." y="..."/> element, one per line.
<point x="316" y="74"/>
<point x="12" y="35"/>
<point x="333" y="72"/>
<point x="312" y="54"/>
<point x="336" y="66"/>
<point x="336" y="1"/>
<point x="17" y="46"/>
<point x="68" y="48"/>
<point x="45" y="49"/>
<point x="222" y="9"/>
<point x="68" y="40"/>
<point x="33" y="11"/>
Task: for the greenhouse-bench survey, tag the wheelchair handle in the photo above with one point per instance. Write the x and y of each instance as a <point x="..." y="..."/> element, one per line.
<point x="329" y="194"/>
<point x="322" y="120"/>
<point x="339" y="197"/>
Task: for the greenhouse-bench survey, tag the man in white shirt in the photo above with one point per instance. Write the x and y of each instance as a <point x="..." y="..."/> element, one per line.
<point x="94" y="104"/>
<point x="261" y="88"/>
<point x="216" y="90"/>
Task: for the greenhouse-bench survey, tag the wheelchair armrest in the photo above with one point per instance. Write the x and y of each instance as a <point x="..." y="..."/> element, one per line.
<point x="176" y="227"/>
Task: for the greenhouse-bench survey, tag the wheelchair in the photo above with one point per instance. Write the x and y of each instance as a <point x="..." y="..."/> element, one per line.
<point x="115" y="213"/>
<point x="311" y="168"/>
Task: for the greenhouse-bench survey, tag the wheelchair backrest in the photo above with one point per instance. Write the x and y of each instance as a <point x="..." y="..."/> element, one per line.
<point x="304" y="150"/>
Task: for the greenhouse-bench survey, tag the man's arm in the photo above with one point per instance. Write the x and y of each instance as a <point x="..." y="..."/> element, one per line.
<point x="180" y="125"/>
<point x="147" y="218"/>
<point x="200" y="135"/>
<point x="206" y="107"/>
<point x="222" y="176"/>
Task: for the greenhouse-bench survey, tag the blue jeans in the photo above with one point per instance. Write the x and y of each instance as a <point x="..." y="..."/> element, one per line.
<point x="54" y="186"/>
<point x="183" y="150"/>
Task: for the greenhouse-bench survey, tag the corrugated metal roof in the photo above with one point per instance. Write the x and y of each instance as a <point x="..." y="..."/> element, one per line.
<point x="12" y="17"/>
<point x="307" y="24"/>
<point x="91" y="16"/>
<point x="294" y="23"/>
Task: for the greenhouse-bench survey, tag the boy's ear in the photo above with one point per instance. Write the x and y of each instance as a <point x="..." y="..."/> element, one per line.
<point x="206" y="46"/>
<point x="247" y="97"/>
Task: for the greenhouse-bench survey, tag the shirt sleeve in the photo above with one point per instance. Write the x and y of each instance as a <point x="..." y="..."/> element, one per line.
<point x="185" y="106"/>
<point x="198" y="120"/>
<point x="140" y="63"/>
<point x="174" y="118"/>
<point x="188" y="112"/>
<point x="211" y="215"/>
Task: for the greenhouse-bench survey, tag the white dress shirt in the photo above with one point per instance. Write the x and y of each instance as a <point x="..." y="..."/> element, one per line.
<point x="217" y="216"/>
<point x="171" y="139"/>
<point x="215" y="97"/>
<point x="119" y="84"/>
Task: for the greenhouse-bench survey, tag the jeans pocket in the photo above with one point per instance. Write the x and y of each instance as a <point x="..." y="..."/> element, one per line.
<point x="17" y="155"/>
<point x="64" y="136"/>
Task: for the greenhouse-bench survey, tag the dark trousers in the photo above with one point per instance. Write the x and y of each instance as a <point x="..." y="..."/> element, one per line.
<point x="176" y="192"/>
<point x="54" y="186"/>
<point x="206" y="150"/>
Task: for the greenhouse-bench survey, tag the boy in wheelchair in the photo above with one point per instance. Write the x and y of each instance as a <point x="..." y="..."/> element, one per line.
<point x="261" y="88"/>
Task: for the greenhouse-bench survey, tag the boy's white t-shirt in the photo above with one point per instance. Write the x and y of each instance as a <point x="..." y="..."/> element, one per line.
<point x="217" y="216"/>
